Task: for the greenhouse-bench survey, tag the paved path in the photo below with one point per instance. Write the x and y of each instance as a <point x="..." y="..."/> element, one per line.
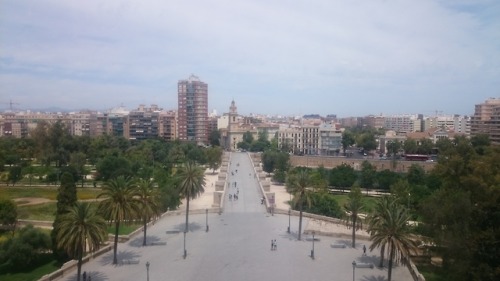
<point x="237" y="246"/>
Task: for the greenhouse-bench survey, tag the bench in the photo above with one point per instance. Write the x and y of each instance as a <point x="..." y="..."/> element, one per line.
<point x="338" y="245"/>
<point x="364" y="265"/>
<point x="130" y="261"/>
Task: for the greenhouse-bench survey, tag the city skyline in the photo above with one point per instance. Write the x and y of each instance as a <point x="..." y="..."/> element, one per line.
<point x="280" y="58"/>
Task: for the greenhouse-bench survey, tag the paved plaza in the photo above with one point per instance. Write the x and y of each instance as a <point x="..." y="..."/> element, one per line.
<point x="237" y="245"/>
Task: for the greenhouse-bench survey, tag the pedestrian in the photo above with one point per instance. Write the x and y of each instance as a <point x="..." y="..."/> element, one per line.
<point x="364" y="250"/>
<point x="85" y="276"/>
<point x="272" y="245"/>
<point x="89" y="278"/>
<point x="275" y="245"/>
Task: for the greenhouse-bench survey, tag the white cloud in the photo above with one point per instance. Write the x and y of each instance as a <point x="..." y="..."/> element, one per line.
<point x="322" y="50"/>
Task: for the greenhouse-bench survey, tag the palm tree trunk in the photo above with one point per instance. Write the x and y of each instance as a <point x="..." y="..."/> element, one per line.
<point x="391" y="257"/>
<point x="187" y="214"/>
<point x="382" y="254"/>
<point x="300" y="219"/>
<point x="115" y="246"/>
<point x="145" y="228"/>
<point x="79" y="266"/>
<point x="354" y="217"/>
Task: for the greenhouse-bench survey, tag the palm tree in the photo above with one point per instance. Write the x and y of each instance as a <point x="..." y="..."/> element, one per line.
<point x="389" y="229"/>
<point x="79" y="231"/>
<point x="376" y="217"/>
<point x="192" y="181"/>
<point x="120" y="204"/>
<point x="299" y="185"/>
<point x="149" y="195"/>
<point x="353" y="207"/>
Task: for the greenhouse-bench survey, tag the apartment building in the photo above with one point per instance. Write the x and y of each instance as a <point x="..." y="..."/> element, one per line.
<point x="193" y="110"/>
<point x="143" y="123"/>
<point x="403" y="123"/>
<point x="167" y="128"/>
<point x="486" y="120"/>
<point x="456" y="123"/>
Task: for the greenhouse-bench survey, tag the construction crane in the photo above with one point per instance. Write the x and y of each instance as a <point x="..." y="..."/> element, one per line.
<point x="11" y="103"/>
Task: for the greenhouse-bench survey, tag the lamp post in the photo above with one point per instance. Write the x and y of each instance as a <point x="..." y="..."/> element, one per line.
<point x="185" y="252"/>
<point x="312" y="250"/>
<point x="353" y="269"/>
<point x="289" y="211"/>
<point x="206" y="212"/>
<point x="409" y="195"/>
<point x="147" y="271"/>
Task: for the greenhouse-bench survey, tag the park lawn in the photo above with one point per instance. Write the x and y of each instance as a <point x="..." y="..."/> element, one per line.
<point x="47" y="192"/>
<point x="40" y="212"/>
<point x="31" y="274"/>
<point x="368" y="201"/>
<point x="125" y="229"/>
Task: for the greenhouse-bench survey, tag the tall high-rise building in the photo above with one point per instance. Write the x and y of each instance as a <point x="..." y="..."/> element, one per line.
<point x="193" y="110"/>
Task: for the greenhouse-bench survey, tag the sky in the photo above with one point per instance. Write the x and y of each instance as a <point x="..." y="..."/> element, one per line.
<point x="275" y="57"/>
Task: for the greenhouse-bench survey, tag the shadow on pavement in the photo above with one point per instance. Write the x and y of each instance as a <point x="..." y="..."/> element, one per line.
<point x="123" y="257"/>
<point x="191" y="227"/>
<point x="374" y="278"/>
<point x="150" y="241"/>
<point x="91" y="275"/>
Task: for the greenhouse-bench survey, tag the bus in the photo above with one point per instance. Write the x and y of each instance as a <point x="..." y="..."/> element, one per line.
<point x="417" y="157"/>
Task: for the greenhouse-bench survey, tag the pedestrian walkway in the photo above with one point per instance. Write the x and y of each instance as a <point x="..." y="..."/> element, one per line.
<point x="237" y="246"/>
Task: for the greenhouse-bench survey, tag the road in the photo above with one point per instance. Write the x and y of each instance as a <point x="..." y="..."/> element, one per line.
<point x="236" y="247"/>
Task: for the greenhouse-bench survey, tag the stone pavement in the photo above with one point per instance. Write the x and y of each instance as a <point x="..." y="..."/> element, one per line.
<point x="237" y="245"/>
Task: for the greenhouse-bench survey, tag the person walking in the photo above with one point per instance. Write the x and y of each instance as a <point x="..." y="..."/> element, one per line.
<point x="275" y="245"/>
<point x="364" y="250"/>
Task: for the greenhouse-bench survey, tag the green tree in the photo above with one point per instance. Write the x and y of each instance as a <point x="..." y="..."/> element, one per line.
<point x="353" y="207"/>
<point x="367" y="141"/>
<point x="386" y="178"/>
<point x="347" y="140"/>
<point x="113" y="166"/>
<point x="416" y="175"/>
<point x="66" y="198"/>
<point x="119" y="204"/>
<point x="148" y="194"/>
<point x="425" y="147"/>
<point x="25" y="249"/>
<point x="214" y="157"/>
<point x="192" y="182"/>
<point x="368" y="175"/>
<point x="410" y="146"/>
<point x="8" y="214"/>
<point x="214" y="138"/>
<point x="78" y="161"/>
<point x="393" y="148"/>
<point x="343" y="176"/>
<point x="15" y="174"/>
<point x="389" y="229"/>
<point x="81" y="230"/>
<point x="299" y="185"/>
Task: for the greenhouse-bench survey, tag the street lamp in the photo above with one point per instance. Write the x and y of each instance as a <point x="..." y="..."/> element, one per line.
<point x="185" y="252"/>
<point x="206" y="212"/>
<point x="353" y="269"/>
<point x="409" y="195"/>
<point x="312" y="250"/>
<point x="289" y="211"/>
<point x="147" y="271"/>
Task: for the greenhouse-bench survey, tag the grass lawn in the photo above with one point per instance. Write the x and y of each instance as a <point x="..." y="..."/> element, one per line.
<point x="41" y="212"/>
<point x="125" y="229"/>
<point x="47" y="192"/>
<point x="369" y="201"/>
